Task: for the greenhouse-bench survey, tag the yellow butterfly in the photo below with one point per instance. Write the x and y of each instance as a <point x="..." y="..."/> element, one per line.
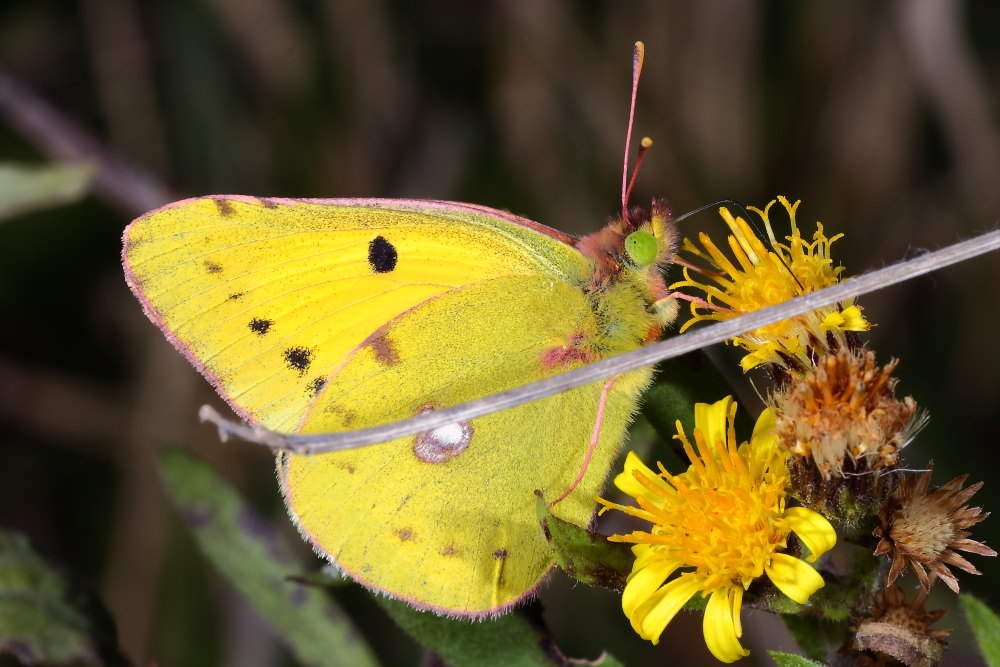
<point x="323" y="315"/>
<point x="317" y="316"/>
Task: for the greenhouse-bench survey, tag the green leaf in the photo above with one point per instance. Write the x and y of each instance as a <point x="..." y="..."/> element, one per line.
<point x="24" y="189"/>
<point x="985" y="626"/>
<point x="518" y="639"/>
<point x="251" y="554"/>
<point x="815" y="635"/>
<point x="792" y="660"/>
<point x="43" y="619"/>
<point x="584" y="555"/>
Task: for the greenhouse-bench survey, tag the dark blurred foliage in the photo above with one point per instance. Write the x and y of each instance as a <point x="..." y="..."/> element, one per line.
<point x="881" y="117"/>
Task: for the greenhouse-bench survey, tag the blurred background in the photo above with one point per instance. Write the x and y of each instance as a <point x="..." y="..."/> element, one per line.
<point x="881" y="117"/>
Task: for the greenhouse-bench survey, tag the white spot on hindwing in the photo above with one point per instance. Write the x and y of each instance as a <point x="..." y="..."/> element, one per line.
<point x="443" y="443"/>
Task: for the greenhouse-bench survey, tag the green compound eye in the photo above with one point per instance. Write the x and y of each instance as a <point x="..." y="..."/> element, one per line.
<point x="641" y="247"/>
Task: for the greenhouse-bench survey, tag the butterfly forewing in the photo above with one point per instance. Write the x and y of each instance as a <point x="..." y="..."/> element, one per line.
<point x="268" y="297"/>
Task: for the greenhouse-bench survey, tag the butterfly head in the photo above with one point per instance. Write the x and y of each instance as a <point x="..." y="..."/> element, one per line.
<point x="650" y="239"/>
<point x="642" y="242"/>
<point x="630" y="253"/>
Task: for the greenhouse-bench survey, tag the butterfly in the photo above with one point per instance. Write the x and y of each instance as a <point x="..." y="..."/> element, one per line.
<point x="324" y="315"/>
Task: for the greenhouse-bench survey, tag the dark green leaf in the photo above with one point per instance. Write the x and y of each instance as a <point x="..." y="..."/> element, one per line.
<point x="816" y="636"/>
<point x="518" y="639"/>
<point x="250" y="553"/>
<point x="584" y="555"/>
<point x="985" y="626"/>
<point x="792" y="660"/>
<point x="679" y="384"/>
<point x="43" y="619"/>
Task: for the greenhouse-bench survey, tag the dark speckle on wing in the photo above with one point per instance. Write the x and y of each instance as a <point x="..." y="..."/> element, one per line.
<point x="316" y="385"/>
<point x="225" y="207"/>
<point x="298" y="359"/>
<point x="260" y="326"/>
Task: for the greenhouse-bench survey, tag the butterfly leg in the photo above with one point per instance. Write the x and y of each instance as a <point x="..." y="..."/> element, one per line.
<point x="593" y="442"/>
<point x="698" y="301"/>
<point x="703" y="271"/>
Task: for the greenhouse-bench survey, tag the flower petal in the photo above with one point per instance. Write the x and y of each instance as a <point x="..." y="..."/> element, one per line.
<point x="627" y="482"/>
<point x="793" y="577"/>
<point x="652" y="617"/>
<point x="719" y="626"/>
<point x="813" y="529"/>
<point x="854" y="320"/>
<point x="767" y="425"/>
<point x="763" y="443"/>
<point x="712" y="420"/>
<point x="645" y="580"/>
<point x="834" y="320"/>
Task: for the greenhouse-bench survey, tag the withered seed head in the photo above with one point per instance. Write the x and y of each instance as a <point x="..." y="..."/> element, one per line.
<point x="844" y="409"/>
<point x="923" y="527"/>
<point x="900" y="629"/>
<point x="844" y="430"/>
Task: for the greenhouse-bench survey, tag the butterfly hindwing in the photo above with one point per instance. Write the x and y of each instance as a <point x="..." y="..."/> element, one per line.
<point x="447" y="520"/>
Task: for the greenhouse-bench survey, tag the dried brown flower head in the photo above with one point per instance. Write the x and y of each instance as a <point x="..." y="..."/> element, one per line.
<point x="844" y="430"/>
<point x="844" y="409"/>
<point x="924" y="527"/>
<point x="900" y="629"/>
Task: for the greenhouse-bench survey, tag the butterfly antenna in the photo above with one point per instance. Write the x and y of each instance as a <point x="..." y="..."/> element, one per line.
<point x="637" y="56"/>
<point x="644" y="147"/>
<point x="765" y="239"/>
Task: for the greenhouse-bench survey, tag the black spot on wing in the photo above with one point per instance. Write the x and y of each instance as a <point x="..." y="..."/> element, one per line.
<point x="225" y="207"/>
<point x="298" y="358"/>
<point x="235" y="296"/>
<point x="213" y="267"/>
<point x="382" y="255"/>
<point x="316" y="385"/>
<point x="260" y="326"/>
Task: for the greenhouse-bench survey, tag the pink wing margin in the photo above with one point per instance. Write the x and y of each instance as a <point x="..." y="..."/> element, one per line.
<point x="415" y="205"/>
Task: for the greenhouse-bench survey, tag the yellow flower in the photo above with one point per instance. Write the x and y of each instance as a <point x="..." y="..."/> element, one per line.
<point x="763" y="276"/>
<point x="717" y="526"/>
